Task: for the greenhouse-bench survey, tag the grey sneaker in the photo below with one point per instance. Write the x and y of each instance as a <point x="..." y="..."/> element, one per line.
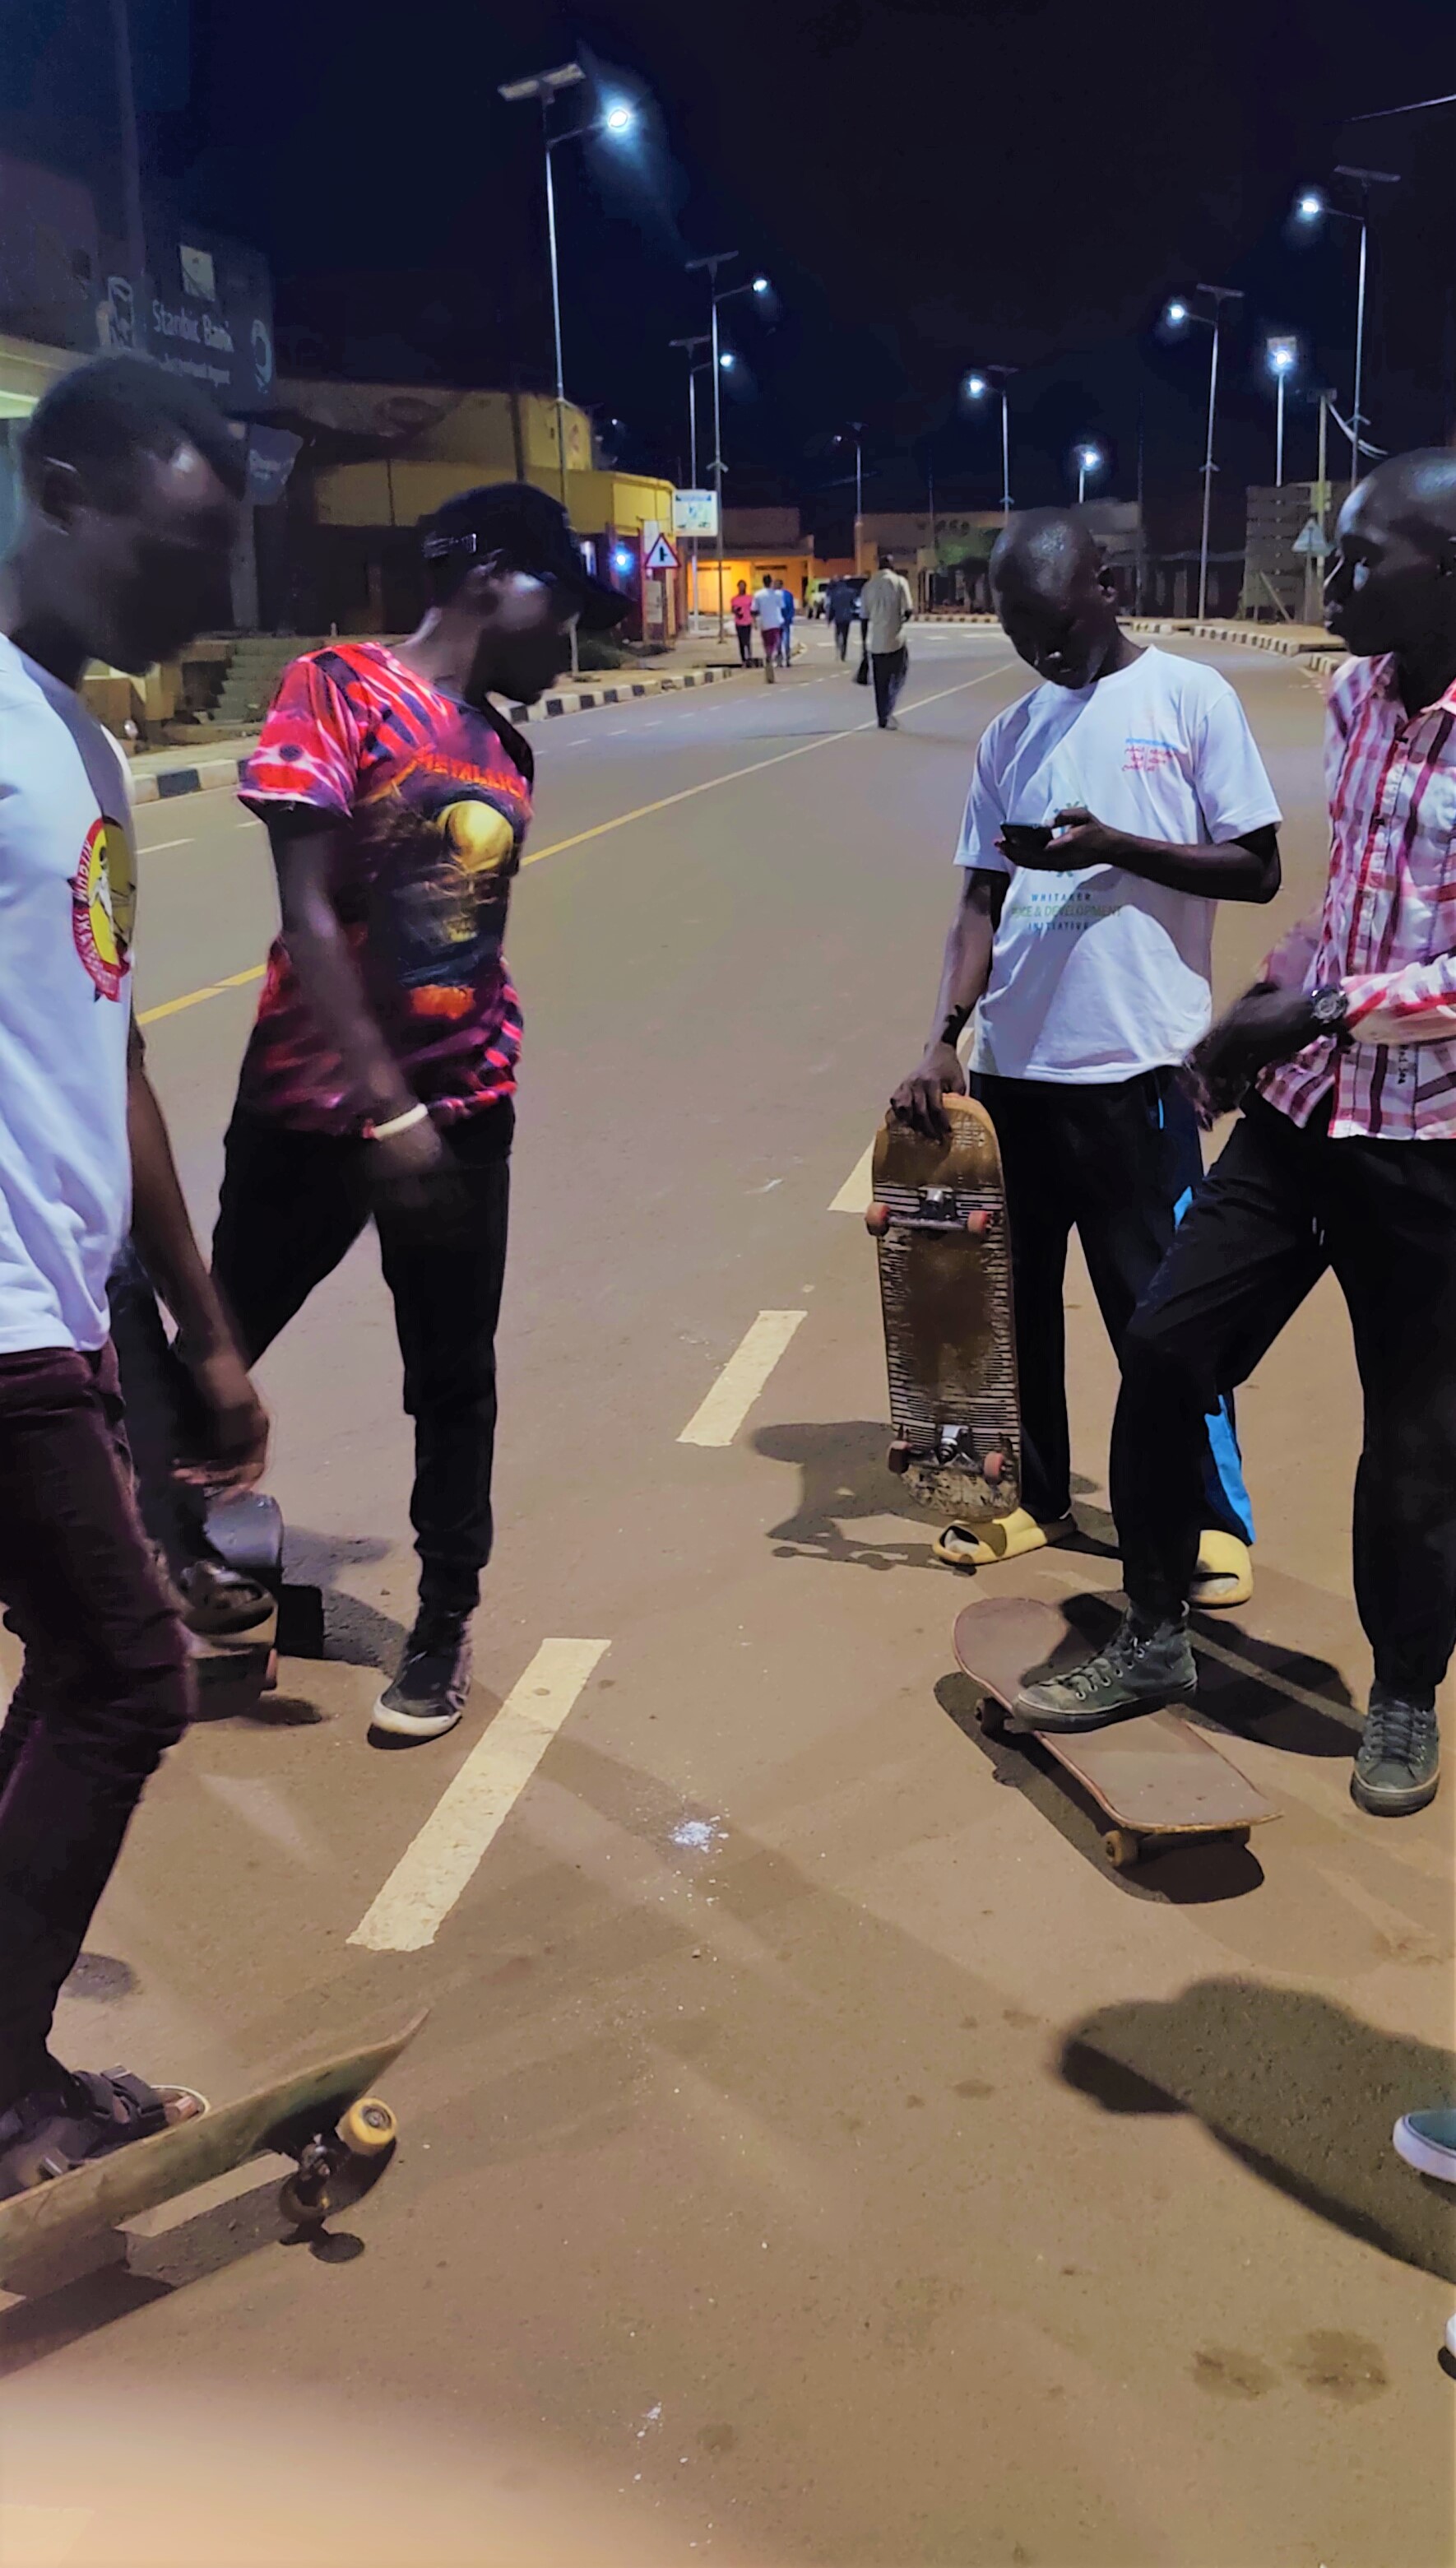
<point x="1428" y="2141"/>
<point x="1139" y="1669"/>
<point x="428" y="1694"/>
<point x="1398" y="1761"/>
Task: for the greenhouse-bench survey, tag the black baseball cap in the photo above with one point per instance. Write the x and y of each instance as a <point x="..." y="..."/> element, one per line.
<point x="532" y="532"/>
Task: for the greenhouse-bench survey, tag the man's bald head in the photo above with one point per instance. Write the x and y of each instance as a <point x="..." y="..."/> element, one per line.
<point x="1051" y="590"/>
<point x="1391" y="583"/>
<point x="1045" y="548"/>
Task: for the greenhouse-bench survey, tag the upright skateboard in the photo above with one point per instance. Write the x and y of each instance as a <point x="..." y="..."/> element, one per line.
<point x="1152" y="1775"/>
<point x="938" y="1218"/>
<point x="340" y="2137"/>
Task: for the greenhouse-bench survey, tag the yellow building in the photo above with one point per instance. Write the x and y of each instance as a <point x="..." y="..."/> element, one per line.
<point x="438" y="441"/>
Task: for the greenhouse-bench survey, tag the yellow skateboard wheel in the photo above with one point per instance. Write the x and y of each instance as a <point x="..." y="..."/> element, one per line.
<point x="369" y="2127"/>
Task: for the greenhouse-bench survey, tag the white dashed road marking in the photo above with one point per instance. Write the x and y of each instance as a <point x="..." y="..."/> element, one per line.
<point x="721" y="1413"/>
<point x="854" y="1195"/>
<point x="443" y="1860"/>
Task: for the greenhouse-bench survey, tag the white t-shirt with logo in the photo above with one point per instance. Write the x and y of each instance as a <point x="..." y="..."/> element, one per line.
<point x="1097" y="974"/>
<point x="67" y="903"/>
<point x="769" y="608"/>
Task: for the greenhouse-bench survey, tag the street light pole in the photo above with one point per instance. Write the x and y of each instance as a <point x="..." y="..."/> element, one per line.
<point x="618" y="120"/>
<point x="1364" y="179"/>
<point x="756" y="285"/>
<point x="699" y="340"/>
<point x="555" y="299"/>
<point x="977" y="386"/>
<point x="1178" y="314"/>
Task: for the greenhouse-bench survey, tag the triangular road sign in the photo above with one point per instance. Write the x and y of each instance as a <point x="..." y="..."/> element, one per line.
<point x="1310" y="538"/>
<point x="660" y="556"/>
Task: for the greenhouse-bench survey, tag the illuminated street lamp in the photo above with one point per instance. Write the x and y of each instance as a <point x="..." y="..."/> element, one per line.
<point x="978" y="387"/>
<point x="1089" y="460"/>
<point x="1178" y="316"/>
<point x="618" y="118"/>
<point x="1281" y="357"/>
<point x="724" y="361"/>
<point x="1311" y="207"/>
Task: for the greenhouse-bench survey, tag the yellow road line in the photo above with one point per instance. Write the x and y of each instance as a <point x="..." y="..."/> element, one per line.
<point x="825" y="739"/>
<point x="214" y="990"/>
<point x="644" y="811"/>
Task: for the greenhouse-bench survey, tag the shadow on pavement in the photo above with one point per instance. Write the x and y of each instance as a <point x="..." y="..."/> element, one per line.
<point x="845" y="1479"/>
<point x="1301" y="2090"/>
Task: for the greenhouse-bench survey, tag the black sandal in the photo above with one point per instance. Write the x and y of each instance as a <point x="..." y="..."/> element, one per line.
<point x="83" y="2114"/>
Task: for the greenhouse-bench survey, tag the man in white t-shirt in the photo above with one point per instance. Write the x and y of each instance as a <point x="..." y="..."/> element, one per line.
<point x="769" y="616"/>
<point x="132" y="486"/>
<point x="1109" y="811"/>
<point x="886" y="605"/>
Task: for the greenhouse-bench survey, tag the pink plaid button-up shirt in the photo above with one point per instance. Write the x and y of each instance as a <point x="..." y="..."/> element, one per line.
<point x="1386" y="934"/>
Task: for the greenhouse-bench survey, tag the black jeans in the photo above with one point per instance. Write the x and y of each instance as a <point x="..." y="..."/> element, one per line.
<point x="293" y="1203"/>
<point x="1117" y="1161"/>
<point x="841" y="639"/>
<point x="887" y="670"/>
<point x="106" y="1688"/>
<point x="745" y="633"/>
<point x="1281" y="1205"/>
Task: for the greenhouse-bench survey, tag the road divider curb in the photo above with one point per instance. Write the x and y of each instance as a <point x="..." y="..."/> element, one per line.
<point x="217" y="775"/>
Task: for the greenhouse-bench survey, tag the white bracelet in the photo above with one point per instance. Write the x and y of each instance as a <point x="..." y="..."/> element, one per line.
<point x="404" y="1122"/>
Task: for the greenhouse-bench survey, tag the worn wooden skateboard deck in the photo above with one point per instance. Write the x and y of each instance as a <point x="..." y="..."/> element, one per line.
<point x="938" y="1218"/>
<point x="322" y="2115"/>
<point x="1155" y="1777"/>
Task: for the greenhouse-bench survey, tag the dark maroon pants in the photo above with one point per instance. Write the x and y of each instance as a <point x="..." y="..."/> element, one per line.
<point x="107" y="1683"/>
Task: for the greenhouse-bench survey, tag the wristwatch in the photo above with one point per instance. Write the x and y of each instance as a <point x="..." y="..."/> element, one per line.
<point x="1329" y="1007"/>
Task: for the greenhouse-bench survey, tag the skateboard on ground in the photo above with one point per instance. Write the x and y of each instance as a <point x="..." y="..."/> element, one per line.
<point x="339" y="2135"/>
<point x="1153" y="1775"/>
<point x="938" y="1218"/>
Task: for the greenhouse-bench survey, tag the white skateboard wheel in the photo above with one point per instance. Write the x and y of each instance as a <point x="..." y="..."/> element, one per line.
<point x="1451" y="2338"/>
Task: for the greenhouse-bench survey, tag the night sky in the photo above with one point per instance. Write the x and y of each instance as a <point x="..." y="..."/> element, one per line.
<point x="928" y="186"/>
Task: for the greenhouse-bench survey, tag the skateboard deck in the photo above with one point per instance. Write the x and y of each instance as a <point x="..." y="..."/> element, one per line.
<point x="323" y="2116"/>
<point x="938" y="1218"/>
<point x="1153" y="1774"/>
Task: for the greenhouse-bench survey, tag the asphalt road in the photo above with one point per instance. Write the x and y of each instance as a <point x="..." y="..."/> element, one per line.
<point x="814" y="2153"/>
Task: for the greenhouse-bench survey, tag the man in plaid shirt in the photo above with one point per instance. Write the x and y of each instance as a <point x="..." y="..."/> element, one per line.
<point x="1344" y="1058"/>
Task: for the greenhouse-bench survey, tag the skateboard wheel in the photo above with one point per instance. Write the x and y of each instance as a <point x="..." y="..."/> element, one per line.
<point x="271" y="1674"/>
<point x="369" y="2130"/>
<point x="877" y="1220"/>
<point x="978" y="1223"/>
<point x="1122" y="1848"/>
<point x="304" y="2201"/>
<point x="900" y="1457"/>
<point x="991" y="1716"/>
<point x="993" y="1467"/>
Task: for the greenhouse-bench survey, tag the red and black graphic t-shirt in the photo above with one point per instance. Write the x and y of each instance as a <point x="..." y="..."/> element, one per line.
<point x="435" y="799"/>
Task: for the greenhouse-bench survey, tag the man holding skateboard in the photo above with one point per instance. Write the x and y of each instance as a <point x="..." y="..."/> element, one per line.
<point x="380" y="1076"/>
<point x="1344" y="1056"/>
<point x="132" y="487"/>
<point x="1109" y="811"/>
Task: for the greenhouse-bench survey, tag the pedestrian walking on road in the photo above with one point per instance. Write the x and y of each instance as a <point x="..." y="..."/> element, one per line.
<point x="790" y="609"/>
<point x="839" y="607"/>
<point x="887" y="606"/>
<point x="131" y="491"/>
<point x="1083" y="949"/>
<point x="381" y="1072"/>
<point x="741" y="608"/>
<point x="769" y="616"/>
<point x="1343" y="1058"/>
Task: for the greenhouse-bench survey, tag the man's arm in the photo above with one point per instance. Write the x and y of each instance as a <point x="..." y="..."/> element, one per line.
<point x="1245" y="868"/>
<point x="169" y="1251"/>
<point x="965" y="973"/>
<point x="412" y="1168"/>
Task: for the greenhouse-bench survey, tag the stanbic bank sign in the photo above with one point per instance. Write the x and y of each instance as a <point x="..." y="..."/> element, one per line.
<point x="216" y="322"/>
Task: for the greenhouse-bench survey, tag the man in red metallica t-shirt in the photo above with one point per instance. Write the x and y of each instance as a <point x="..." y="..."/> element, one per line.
<point x="380" y="1074"/>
